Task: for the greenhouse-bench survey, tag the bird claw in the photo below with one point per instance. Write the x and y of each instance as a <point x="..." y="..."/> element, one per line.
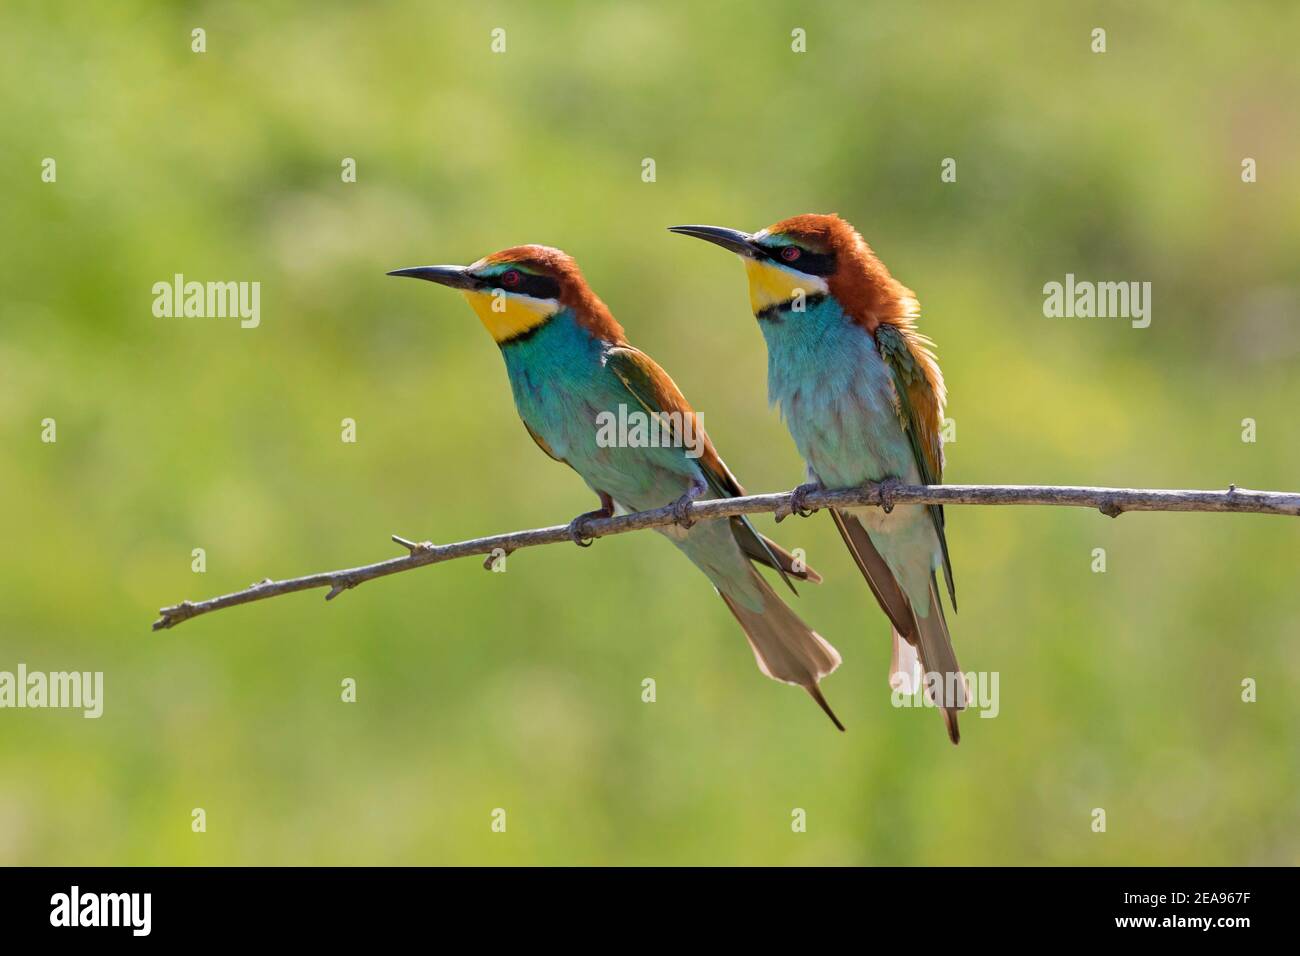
<point x="886" y="491"/>
<point x="682" y="506"/>
<point x="578" y="529"/>
<point x="682" y="511"/>
<point x="578" y="532"/>
<point x="798" y="501"/>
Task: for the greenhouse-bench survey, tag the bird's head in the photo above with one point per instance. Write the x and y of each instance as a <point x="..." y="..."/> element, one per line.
<point x="814" y="254"/>
<point x="518" y="290"/>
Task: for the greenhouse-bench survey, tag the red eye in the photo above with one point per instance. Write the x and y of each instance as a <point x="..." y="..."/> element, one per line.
<point x="511" y="278"/>
<point x="790" y="253"/>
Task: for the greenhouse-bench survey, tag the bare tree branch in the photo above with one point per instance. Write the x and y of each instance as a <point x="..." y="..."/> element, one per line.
<point x="1109" y="501"/>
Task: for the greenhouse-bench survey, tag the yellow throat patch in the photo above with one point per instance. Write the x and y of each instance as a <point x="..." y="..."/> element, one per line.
<point x="770" y="284"/>
<point x="506" y="316"/>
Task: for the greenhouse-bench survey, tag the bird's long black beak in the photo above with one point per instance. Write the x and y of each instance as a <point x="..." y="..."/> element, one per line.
<point x="457" y="277"/>
<point x="741" y="243"/>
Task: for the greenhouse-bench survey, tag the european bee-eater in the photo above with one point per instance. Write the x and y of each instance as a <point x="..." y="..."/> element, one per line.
<point x="863" y="396"/>
<point x="571" y="368"/>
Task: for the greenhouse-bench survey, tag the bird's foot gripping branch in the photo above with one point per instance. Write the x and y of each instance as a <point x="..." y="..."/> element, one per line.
<point x="1109" y="501"/>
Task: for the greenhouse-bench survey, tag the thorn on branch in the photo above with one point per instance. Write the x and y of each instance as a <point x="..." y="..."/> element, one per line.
<point x="339" y="588"/>
<point x="415" y="547"/>
<point x="171" y="616"/>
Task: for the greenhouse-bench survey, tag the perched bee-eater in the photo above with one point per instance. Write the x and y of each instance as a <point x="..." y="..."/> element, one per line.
<point x="571" y="368"/>
<point x="863" y="396"/>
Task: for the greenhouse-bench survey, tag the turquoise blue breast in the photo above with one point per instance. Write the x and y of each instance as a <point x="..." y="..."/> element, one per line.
<point x="560" y="385"/>
<point x="836" y="395"/>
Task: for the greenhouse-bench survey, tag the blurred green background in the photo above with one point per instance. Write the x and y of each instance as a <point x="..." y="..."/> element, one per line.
<point x="523" y="690"/>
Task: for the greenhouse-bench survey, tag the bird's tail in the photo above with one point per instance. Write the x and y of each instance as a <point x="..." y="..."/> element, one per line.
<point x="786" y="648"/>
<point x="945" y="684"/>
<point x="918" y="640"/>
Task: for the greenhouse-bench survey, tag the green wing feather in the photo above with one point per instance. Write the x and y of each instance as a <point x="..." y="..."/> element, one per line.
<point x="654" y="391"/>
<point x="913" y="389"/>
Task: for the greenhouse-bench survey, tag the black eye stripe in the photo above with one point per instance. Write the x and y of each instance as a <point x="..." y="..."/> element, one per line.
<point x="813" y="263"/>
<point x="539" y="287"/>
